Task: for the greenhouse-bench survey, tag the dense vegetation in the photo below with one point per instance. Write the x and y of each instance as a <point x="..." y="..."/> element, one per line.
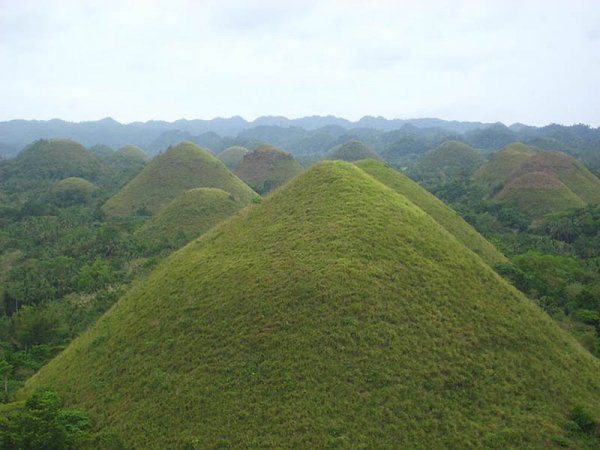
<point x="335" y="313"/>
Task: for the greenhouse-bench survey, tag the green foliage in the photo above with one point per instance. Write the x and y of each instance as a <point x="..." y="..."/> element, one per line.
<point x="43" y="424"/>
<point x="180" y="168"/>
<point x="49" y="160"/>
<point x="335" y="313"/>
<point x="266" y="168"/>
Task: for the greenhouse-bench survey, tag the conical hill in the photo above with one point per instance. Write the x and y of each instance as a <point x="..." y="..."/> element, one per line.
<point x="498" y="169"/>
<point x="353" y="151"/>
<point x="267" y="167"/>
<point x="336" y="313"/>
<point x="188" y="216"/>
<point x="449" y="160"/>
<point x="433" y="206"/>
<point x="180" y="168"/>
<point x="46" y="161"/>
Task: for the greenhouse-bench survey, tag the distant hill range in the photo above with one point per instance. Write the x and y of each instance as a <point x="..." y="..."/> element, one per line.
<point x="396" y="140"/>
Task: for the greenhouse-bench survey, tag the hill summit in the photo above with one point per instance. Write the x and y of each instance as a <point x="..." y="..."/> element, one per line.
<point x="180" y="168"/>
<point x="267" y="167"/>
<point x="353" y="151"/>
<point x="449" y="160"/>
<point x="336" y="313"/>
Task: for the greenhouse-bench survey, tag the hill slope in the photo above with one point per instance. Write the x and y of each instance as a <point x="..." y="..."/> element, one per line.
<point x="232" y="156"/>
<point x="334" y="314"/>
<point x="128" y="160"/>
<point x="180" y="168"/>
<point x="538" y="182"/>
<point x="433" y="206"/>
<point x="449" y="160"/>
<point x="267" y="167"/>
<point x="353" y="151"/>
<point x="189" y="215"/>
<point x="498" y="169"/>
<point x="49" y="160"/>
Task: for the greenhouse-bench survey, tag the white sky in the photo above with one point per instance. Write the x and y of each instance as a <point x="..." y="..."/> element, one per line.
<point x="528" y="61"/>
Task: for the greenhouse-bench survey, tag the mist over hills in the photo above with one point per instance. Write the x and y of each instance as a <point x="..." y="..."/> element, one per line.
<point x="397" y="140"/>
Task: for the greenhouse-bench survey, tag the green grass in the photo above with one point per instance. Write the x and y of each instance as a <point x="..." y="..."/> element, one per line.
<point x="335" y="314"/>
<point x="232" y="156"/>
<point x="449" y="160"/>
<point x="188" y="216"/>
<point x="75" y="184"/>
<point x="437" y="209"/>
<point x="537" y="182"/>
<point x="353" y="151"/>
<point x="180" y="168"/>
<point x="49" y="160"/>
<point x="267" y="167"/>
<point x="538" y="194"/>
<point x="498" y="169"/>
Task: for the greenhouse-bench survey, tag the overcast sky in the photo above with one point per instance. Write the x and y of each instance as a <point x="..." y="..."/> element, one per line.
<point x="512" y="61"/>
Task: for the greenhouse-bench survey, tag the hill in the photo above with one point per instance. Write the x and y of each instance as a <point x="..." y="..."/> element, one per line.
<point x="449" y="160"/>
<point x="232" y="156"/>
<point x="188" y="216"/>
<point x="267" y="167"/>
<point x="180" y="168"/>
<point x="437" y="209"/>
<point x="49" y="160"/>
<point x="353" y="151"/>
<point x="101" y="151"/>
<point x="538" y="193"/>
<point x="538" y="182"/>
<point x="128" y="160"/>
<point x="498" y="169"/>
<point x="73" y="190"/>
<point x="336" y="313"/>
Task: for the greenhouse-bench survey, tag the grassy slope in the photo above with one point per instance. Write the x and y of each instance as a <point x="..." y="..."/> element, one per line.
<point x="182" y="167"/>
<point x="55" y="159"/>
<point x="353" y="151"/>
<point x="232" y="156"/>
<point x="191" y="214"/>
<point x="498" y="169"/>
<point x="450" y="159"/>
<point x="444" y="215"/>
<point x="335" y="314"/>
<point x="539" y="193"/>
<point x="267" y="167"/>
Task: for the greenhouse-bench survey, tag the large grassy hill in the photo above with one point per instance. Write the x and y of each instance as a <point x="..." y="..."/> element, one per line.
<point x="188" y="216"/>
<point x="335" y="314"/>
<point x="48" y="160"/>
<point x="353" y="151"/>
<point x="180" y="168"/>
<point x="433" y="206"/>
<point x="267" y="167"/>
<point x="498" y="169"/>
<point x="449" y="160"/>
<point x="233" y="156"/>
<point x="538" y="182"/>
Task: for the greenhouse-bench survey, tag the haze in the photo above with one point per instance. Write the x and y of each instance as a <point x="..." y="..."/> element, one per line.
<point x="533" y="62"/>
